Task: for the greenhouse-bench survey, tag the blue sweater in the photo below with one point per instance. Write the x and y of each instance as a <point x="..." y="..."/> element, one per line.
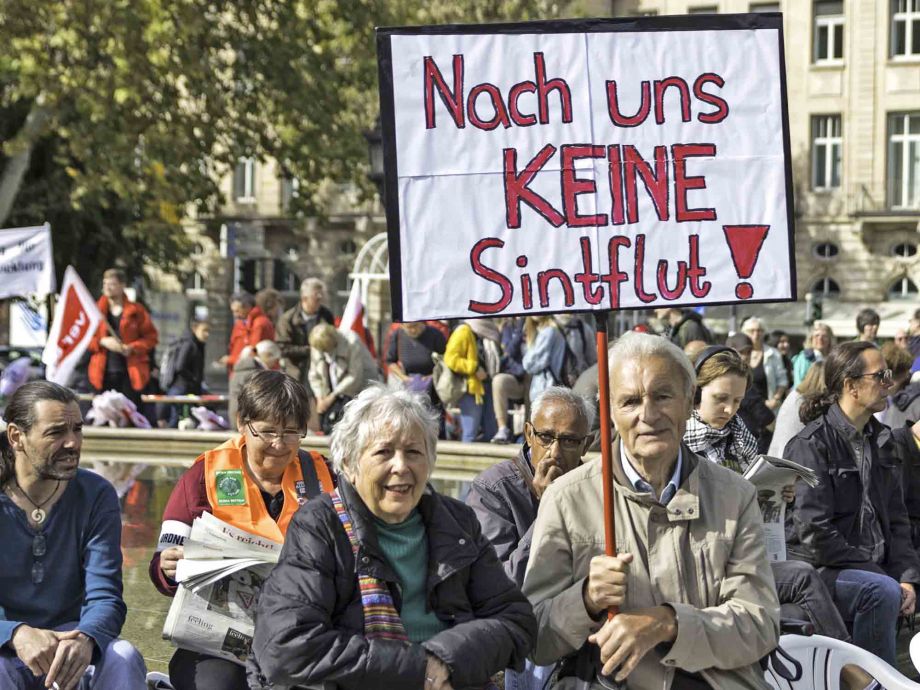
<point x="82" y="564"/>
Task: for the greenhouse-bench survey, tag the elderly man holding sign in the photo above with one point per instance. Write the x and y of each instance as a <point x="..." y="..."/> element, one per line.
<point x="696" y="595"/>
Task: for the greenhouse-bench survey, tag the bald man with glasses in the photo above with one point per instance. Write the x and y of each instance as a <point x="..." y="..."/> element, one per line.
<point x="506" y="496"/>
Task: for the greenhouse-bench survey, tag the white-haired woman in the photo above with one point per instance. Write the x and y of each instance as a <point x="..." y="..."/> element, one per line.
<point x="767" y="368"/>
<point x="385" y="583"/>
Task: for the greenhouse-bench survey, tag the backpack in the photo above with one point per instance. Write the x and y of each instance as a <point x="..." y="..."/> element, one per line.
<point x="168" y="361"/>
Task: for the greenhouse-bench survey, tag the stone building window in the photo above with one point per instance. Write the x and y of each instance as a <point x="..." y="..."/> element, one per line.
<point x="904" y="159"/>
<point x="244" y="180"/>
<point x="826" y="250"/>
<point x="826" y="287"/>
<point x="348" y="247"/>
<point x="903" y="288"/>
<point x="704" y="9"/>
<point x="904" y="250"/>
<point x="828" y="35"/>
<point x="764" y="7"/>
<point x="826" y="148"/>
<point x="905" y="28"/>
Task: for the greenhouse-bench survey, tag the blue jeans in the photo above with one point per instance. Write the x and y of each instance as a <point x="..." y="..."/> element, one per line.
<point x="475" y="418"/>
<point x="871" y="603"/>
<point x="533" y="677"/>
<point x="121" y="666"/>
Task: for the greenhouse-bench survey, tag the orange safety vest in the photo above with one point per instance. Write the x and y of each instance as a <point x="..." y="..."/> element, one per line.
<point x="236" y="499"/>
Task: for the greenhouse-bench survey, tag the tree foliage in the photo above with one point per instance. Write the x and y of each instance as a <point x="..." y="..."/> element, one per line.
<point x="119" y="117"/>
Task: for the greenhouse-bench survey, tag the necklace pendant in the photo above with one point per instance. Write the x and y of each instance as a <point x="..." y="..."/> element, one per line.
<point x="38" y="516"/>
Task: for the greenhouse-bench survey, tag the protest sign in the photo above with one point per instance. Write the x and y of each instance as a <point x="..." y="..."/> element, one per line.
<point x="76" y="318"/>
<point x="586" y="165"/>
<point x="26" y="263"/>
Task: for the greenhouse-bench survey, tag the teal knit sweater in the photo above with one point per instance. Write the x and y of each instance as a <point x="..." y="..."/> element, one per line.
<point x="405" y="546"/>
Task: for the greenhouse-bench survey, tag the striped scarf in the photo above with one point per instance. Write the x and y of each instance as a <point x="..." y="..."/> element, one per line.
<point x="381" y="619"/>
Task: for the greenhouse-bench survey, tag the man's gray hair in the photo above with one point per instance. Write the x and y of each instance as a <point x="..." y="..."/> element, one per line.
<point x="564" y="396"/>
<point x="377" y="408"/>
<point x="632" y="345"/>
<point x="311" y="285"/>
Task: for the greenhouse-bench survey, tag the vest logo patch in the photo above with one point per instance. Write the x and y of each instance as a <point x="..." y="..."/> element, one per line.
<point x="229" y="486"/>
<point x="301" y="490"/>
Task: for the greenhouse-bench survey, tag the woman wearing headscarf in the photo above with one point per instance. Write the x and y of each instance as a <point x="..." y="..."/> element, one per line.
<point x="385" y="583"/>
<point x="474" y="351"/>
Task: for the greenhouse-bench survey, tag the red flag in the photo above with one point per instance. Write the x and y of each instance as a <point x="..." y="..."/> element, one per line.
<point x="353" y="318"/>
<point x="76" y="318"/>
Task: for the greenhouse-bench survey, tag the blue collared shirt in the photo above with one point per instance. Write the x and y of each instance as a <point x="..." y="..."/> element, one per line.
<point x="642" y="486"/>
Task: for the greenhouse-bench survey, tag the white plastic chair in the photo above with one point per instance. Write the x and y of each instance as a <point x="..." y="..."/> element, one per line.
<point x="915" y="651"/>
<point x="821" y="659"/>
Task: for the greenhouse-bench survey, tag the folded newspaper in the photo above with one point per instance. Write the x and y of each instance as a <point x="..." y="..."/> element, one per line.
<point x="770" y="475"/>
<point x="220" y="576"/>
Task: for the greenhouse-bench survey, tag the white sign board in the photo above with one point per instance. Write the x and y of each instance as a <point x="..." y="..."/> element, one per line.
<point x="586" y="165"/>
<point x="26" y="262"/>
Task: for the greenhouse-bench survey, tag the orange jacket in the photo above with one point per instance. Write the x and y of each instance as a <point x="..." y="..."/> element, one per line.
<point x="135" y="329"/>
<point x="249" y="332"/>
<point x="236" y="499"/>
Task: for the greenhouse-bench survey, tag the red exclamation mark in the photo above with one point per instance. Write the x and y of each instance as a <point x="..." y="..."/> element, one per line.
<point x="745" y="242"/>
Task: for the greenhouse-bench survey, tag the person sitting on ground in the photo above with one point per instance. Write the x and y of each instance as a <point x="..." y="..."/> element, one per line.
<point x="264" y="465"/>
<point x="715" y="431"/>
<point x="820" y="343"/>
<point x="386" y="583"/>
<point x="853" y="526"/>
<point x="186" y="371"/>
<point x="265" y="356"/>
<point x="61" y="606"/>
<point x="789" y="418"/>
<point x="692" y="583"/>
<point x="506" y="496"/>
<point x="340" y="367"/>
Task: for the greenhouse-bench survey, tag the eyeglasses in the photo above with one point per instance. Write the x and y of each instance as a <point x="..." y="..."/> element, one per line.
<point x="39" y="549"/>
<point x="883" y="376"/>
<point x="286" y="437"/>
<point x="546" y="439"/>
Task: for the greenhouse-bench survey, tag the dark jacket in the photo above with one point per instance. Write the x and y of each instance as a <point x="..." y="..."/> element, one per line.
<point x="903" y="407"/>
<point x="513" y="348"/>
<point x="826" y="529"/>
<point x="189" y="370"/>
<point x="690" y="328"/>
<point x="310" y="622"/>
<point x="292" y="336"/>
<point x="507" y="509"/>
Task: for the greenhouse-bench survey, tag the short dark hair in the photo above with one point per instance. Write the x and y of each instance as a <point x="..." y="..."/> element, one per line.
<point x="867" y="317"/>
<point x="117" y="274"/>
<point x="739" y="342"/>
<point x="21" y="411"/>
<point x="273" y="396"/>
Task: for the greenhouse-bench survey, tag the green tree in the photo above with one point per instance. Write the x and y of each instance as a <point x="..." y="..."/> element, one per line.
<point x="119" y="117"/>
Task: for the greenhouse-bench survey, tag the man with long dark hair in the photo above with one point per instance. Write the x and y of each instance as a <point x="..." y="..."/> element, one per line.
<point x="853" y="525"/>
<point x="61" y="606"/>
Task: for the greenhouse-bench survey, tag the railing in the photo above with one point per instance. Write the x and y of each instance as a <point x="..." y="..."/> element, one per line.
<point x="165" y="448"/>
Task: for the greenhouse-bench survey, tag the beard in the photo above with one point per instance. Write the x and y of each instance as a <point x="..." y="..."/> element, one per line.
<point x="62" y="465"/>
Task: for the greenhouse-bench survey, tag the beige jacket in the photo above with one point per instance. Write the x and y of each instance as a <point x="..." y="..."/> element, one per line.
<point x="356" y="368"/>
<point x="703" y="554"/>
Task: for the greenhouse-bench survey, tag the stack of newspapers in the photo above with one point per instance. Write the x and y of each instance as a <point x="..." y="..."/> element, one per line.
<point x="769" y="475"/>
<point x="220" y="577"/>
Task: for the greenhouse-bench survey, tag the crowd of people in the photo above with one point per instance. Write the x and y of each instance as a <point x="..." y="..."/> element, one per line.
<point x="383" y="582"/>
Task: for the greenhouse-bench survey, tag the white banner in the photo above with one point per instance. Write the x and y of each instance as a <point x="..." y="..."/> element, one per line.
<point x="76" y="318"/>
<point x="26" y="262"/>
<point x="586" y="165"/>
